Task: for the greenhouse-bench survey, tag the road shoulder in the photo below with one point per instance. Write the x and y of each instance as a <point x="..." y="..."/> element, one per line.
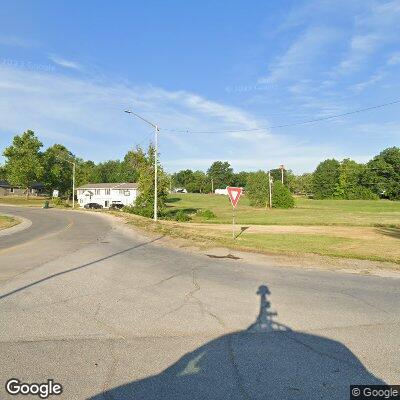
<point x="200" y="244"/>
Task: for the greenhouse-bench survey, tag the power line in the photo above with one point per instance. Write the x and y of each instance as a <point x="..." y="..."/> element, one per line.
<point x="360" y="110"/>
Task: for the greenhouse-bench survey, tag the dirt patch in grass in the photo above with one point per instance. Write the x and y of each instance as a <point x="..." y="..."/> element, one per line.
<point x="351" y="232"/>
<point x="310" y="247"/>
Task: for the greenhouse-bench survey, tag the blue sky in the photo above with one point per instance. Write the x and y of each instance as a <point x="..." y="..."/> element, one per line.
<point x="68" y="69"/>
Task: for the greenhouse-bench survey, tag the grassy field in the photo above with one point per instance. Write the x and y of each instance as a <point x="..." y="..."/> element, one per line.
<point x="359" y="229"/>
<point x="22" y="201"/>
<point x="30" y="202"/>
<point x="7" y="222"/>
<point x="306" y="212"/>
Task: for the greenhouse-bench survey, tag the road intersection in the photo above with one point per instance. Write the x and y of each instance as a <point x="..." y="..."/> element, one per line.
<point x="109" y="313"/>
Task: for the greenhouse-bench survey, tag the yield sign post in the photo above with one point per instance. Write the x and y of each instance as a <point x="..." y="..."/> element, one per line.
<point x="234" y="194"/>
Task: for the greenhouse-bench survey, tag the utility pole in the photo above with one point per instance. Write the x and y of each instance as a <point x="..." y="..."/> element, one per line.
<point x="73" y="185"/>
<point x="270" y="189"/>
<point x="212" y="185"/>
<point x="282" y="168"/>
<point x="156" y="130"/>
<point x="73" y="178"/>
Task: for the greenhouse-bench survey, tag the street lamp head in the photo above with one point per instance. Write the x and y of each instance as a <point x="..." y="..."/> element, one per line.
<point x="128" y="111"/>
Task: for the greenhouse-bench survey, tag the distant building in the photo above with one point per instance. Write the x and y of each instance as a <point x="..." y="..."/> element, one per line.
<point x="7" y="189"/>
<point x="221" y="191"/>
<point x="107" y="193"/>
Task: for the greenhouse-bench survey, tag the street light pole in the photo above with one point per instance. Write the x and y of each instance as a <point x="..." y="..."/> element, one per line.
<point x="73" y="178"/>
<point x="73" y="185"/>
<point x="270" y="189"/>
<point x="155" y="172"/>
<point x="156" y="130"/>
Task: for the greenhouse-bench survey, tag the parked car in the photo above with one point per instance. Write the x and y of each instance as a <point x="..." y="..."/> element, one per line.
<point x="93" y="205"/>
<point x="180" y="190"/>
<point x="116" y="205"/>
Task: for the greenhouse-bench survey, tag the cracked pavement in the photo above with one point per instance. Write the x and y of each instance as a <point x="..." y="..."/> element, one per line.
<point x="111" y="314"/>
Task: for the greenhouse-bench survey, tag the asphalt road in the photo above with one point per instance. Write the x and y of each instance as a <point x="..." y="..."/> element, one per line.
<point x="110" y="314"/>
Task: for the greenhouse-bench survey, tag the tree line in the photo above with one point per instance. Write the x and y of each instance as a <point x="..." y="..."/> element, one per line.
<point x="26" y="163"/>
<point x="332" y="179"/>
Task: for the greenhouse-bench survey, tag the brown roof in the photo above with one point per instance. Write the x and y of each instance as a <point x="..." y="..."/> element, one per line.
<point x="123" y="185"/>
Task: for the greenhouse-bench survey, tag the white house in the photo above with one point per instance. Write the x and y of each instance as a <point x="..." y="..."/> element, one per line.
<point x="106" y="193"/>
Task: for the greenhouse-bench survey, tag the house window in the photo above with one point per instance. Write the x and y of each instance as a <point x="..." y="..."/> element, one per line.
<point x="121" y="191"/>
<point x="97" y="191"/>
<point x="127" y="193"/>
<point x="11" y="190"/>
<point x="107" y="191"/>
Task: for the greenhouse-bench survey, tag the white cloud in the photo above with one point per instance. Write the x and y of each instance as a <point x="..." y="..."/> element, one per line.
<point x="76" y="110"/>
<point x="299" y="59"/>
<point x="376" y="26"/>
<point x="87" y="116"/>
<point x="394" y="59"/>
<point x="361" y="46"/>
<point x="65" y="63"/>
<point x="375" y="78"/>
<point x="15" y="41"/>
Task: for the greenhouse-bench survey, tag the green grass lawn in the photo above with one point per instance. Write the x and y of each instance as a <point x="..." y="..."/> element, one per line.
<point x="23" y="201"/>
<point x="370" y="228"/>
<point x="28" y="202"/>
<point x="7" y="222"/>
<point x="306" y="211"/>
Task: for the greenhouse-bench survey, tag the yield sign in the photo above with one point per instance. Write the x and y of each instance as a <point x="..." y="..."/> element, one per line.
<point x="234" y="194"/>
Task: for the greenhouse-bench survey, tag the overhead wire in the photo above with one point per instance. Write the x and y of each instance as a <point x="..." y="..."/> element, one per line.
<point x="360" y="110"/>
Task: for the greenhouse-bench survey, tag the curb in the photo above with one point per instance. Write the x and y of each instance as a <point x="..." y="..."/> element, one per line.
<point x="25" y="223"/>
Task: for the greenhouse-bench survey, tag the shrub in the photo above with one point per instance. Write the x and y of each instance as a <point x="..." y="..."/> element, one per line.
<point x="206" y="214"/>
<point x="57" y="201"/>
<point x="257" y="188"/>
<point x="181" y="216"/>
<point x="281" y="196"/>
<point x="147" y="212"/>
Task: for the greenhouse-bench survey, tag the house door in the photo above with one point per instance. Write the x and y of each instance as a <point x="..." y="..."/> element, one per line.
<point x="106" y="204"/>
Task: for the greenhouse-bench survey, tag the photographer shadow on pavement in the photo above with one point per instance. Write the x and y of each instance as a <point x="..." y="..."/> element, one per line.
<point x="266" y="361"/>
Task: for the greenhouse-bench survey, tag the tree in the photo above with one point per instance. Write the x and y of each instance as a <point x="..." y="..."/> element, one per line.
<point x="133" y="160"/>
<point x="257" y="188"/>
<point x="304" y="184"/>
<point x="382" y="174"/>
<point x="349" y="185"/>
<point x="111" y="171"/>
<point x="3" y="174"/>
<point x="57" y="171"/>
<point x="86" y="172"/>
<point x="325" y="179"/>
<point x="281" y="196"/>
<point x="23" y="160"/>
<point x="288" y="177"/>
<point x="183" y="178"/>
<point x="144" y="203"/>
<point x="240" y="179"/>
<point x="221" y="173"/>
<point x="200" y="183"/>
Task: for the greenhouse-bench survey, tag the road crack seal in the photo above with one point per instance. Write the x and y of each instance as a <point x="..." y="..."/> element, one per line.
<point x="191" y="298"/>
